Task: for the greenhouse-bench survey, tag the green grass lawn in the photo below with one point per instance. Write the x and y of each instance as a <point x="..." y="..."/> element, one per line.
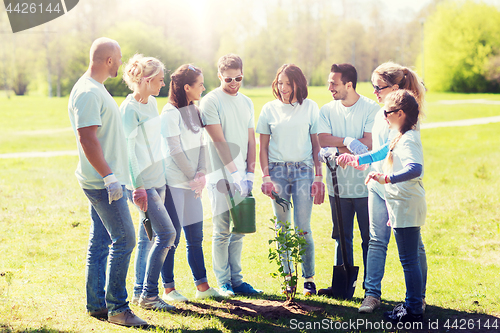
<point x="41" y="124"/>
<point x="44" y="221"/>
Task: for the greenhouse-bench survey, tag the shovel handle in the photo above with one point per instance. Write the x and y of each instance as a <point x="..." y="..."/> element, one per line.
<point x="338" y="210"/>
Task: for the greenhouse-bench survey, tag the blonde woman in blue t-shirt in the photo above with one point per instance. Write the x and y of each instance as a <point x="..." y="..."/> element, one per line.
<point x="141" y="122"/>
<point x="289" y="149"/>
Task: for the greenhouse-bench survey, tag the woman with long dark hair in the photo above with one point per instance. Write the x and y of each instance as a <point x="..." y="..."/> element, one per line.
<point x="185" y="170"/>
<point x="289" y="149"/>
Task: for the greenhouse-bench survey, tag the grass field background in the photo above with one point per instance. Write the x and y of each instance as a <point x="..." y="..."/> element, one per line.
<point x="44" y="222"/>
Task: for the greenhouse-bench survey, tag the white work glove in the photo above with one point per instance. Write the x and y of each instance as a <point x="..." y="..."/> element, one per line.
<point x="241" y="184"/>
<point x="250" y="178"/>
<point x="114" y="188"/>
<point x="327" y="153"/>
<point x="355" y="146"/>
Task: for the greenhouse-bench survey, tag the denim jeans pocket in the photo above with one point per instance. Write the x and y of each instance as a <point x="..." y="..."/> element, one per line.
<point x="306" y="171"/>
<point x="96" y="196"/>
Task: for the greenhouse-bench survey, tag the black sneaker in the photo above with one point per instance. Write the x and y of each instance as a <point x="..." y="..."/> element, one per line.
<point x="400" y="314"/>
<point x="309" y="288"/>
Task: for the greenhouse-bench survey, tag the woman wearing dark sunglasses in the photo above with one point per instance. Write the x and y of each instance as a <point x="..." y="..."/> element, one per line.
<point x="405" y="197"/>
<point x="185" y="171"/>
<point x="289" y="149"/>
<point x="386" y="78"/>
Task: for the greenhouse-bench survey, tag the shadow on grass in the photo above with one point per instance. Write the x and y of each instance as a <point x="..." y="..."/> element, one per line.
<point x="7" y="329"/>
<point x="333" y="315"/>
<point x="340" y="316"/>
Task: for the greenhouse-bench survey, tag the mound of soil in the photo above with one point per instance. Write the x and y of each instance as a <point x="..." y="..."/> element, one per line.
<point x="250" y="307"/>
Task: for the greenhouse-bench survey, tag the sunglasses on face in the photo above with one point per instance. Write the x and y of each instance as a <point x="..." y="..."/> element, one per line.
<point x="387" y="113"/>
<point x="379" y="89"/>
<point x="226" y="79"/>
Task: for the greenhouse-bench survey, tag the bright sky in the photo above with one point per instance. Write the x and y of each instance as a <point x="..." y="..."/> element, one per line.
<point x="391" y="8"/>
<point x="397" y="7"/>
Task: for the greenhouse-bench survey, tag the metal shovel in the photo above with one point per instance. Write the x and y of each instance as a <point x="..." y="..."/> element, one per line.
<point x="344" y="276"/>
<point x="146" y="222"/>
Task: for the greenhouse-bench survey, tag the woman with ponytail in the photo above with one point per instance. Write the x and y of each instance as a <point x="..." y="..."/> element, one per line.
<point x="185" y="169"/>
<point x="140" y="119"/>
<point x="404" y="195"/>
<point x="405" y="198"/>
<point x="387" y="78"/>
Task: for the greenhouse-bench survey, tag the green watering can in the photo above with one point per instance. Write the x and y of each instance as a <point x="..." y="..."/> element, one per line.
<point x="241" y="209"/>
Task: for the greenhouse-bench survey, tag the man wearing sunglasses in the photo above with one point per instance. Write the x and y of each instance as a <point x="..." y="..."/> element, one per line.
<point x="229" y="119"/>
<point x="345" y="126"/>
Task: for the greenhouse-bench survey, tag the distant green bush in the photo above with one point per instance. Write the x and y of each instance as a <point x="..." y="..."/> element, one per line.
<point x="462" y="44"/>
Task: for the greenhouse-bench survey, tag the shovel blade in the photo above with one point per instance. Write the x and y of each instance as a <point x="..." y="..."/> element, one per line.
<point x="344" y="281"/>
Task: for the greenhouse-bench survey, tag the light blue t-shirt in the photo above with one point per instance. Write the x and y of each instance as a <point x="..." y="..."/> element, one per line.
<point x="141" y="123"/>
<point x="406" y="200"/>
<point x="380" y="136"/>
<point x="290" y="128"/>
<point x="353" y="121"/>
<point x="236" y="115"/>
<point x="172" y="124"/>
<point x="90" y="104"/>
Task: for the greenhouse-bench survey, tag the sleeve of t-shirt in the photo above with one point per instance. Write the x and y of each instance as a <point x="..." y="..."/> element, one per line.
<point x="88" y="111"/>
<point x="371" y="118"/>
<point x="210" y="110"/>
<point x="374" y="155"/>
<point x="130" y="124"/>
<point x="410" y="171"/>
<point x="170" y="123"/>
<point x="324" y="121"/>
<point x="263" y="126"/>
<point x="313" y="128"/>
<point x="130" y="121"/>
<point x="251" y="122"/>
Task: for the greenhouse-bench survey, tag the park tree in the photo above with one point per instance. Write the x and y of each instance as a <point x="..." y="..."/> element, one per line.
<point x="462" y="44"/>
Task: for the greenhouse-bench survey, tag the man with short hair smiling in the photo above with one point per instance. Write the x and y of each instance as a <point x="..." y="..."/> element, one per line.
<point x="229" y="119"/>
<point x="346" y="124"/>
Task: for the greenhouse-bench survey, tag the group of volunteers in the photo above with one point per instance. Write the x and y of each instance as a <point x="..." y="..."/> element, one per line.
<point x="163" y="162"/>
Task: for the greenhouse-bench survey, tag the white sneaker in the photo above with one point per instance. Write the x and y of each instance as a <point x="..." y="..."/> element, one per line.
<point x="226" y="290"/>
<point x="369" y="304"/>
<point x="135" y="299"/>
<point x="210" y="292"/>
<point x="155" y="303"/>
<point x="174" y="296"/>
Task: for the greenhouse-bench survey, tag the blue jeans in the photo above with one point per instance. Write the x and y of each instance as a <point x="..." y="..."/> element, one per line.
<point x="407" y="240"/>
<point x="349" y="207"/>
<point x="226" y="246"/>
<point x="111" y="241"/>
<point x="187" y="211"/>
<point x="293" y="181"/>
<point x="380" y="235"/>
<point x="151" y="255"/>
